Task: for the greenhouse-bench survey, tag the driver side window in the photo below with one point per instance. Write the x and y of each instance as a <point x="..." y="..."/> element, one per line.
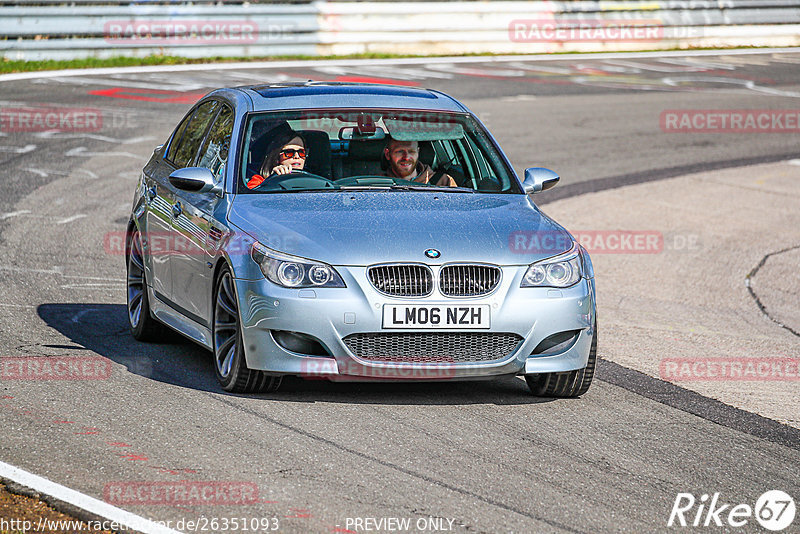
<point x="214" y="152"/>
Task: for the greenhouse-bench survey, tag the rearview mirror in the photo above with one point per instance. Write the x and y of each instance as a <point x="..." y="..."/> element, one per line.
<point x="196" y="180"/>
<point x="353" y="132"/>
<point x="539" y="179"/>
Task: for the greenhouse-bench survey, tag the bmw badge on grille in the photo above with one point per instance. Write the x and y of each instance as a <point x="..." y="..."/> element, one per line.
<point x="432" y="253"/>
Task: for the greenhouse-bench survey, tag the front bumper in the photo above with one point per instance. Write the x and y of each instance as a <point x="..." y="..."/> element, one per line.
<point x="330" y="314"/>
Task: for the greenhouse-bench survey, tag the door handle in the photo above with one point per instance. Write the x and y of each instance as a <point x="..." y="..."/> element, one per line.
<point x="177" y="210"/>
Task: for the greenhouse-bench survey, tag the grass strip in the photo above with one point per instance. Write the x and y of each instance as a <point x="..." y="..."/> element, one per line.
<point x="10" y="66"/>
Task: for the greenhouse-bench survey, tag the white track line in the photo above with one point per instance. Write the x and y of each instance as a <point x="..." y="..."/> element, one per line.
<point x="84" y="502"/>
<point x="5" y="216"/>
<point x="394" y="61"/>
<point x="71" y="219"/>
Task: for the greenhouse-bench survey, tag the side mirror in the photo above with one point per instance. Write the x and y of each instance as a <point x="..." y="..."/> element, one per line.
<point x="196" y="180"/>
<point x="539" y="179"/>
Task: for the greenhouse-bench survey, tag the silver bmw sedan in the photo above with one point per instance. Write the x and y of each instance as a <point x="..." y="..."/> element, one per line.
<point x="355" y="232"/>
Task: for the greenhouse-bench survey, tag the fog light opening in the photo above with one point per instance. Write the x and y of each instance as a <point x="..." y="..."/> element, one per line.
<point x="299" y="343"/>
<point x="556" y="343"/>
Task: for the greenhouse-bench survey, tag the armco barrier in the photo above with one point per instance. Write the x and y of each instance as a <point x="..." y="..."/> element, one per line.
<point x="87" y="29"/>
<point x="476" y="27"/>
<point x="84" y="30"/>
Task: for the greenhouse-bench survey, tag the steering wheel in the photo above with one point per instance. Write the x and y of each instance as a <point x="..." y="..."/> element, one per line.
<point x="297" y="179"/>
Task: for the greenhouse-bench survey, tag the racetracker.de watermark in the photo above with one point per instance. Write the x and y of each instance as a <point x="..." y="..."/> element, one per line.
<point x="730" y="121"/>
<point x="54" y="368"/>
<point x="729" y="369"/>
<point x="45" y="119"/>
<point x="181" y="493"/>
<point x="167" y="243"/>
<point x="598" y="30"/>
<point x="594" y="241"/>
<point x="188" y="31"/>
<point x="403" y="123"/>
<point x="405" y="370"/>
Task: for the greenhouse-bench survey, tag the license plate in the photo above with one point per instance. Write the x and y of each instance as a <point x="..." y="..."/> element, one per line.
<point x="435" y="316"/>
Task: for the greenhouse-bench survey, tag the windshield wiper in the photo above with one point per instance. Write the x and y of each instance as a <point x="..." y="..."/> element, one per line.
<point x="394" y="187"/>
<point x="299" y="190"/>
<point x="364" y="187"/>
<point x="405" y="187"/>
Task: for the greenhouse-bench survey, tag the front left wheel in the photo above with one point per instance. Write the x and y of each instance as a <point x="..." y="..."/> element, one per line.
<point x="230" y="366"/>
<point x="143" y="326"/>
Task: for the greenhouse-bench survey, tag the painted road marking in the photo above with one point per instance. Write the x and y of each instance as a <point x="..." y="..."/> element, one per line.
<point x="84" y="502"/>
<point x="180" y="87"/>
<point x="92" y="286"/>
<point x="18" y="150"/>
<point x="73" y="218"/>
<point x="82" y="277"/>
<point x="5" y="216"/>
<point x="64" y="135"/>
<point x="407" y="61"/>
<point x="82" y="151"/>
<point x="55" y="270"/>
<point x="517" y="98"/>
<point x="59" y="270"/>
<point x="150" y="95"/>
<point x="45" y="173"/>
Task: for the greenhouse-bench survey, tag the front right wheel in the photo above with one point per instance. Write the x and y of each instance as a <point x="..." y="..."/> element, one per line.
<point x="568" y="383"/>
<point x="230" y="366"/>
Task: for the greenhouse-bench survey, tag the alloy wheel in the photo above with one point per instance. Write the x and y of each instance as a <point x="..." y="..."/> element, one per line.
<point x="135" y="280"/>
<point x="226" y="326"/>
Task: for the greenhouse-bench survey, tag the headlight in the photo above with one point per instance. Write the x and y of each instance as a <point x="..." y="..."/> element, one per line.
<point x="588" y="268"/>
<point x="560" y="271"/>
<point x="291" y="271"/>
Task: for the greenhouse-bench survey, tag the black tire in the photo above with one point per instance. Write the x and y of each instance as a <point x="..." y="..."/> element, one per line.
<point x="230" y="366"/>
<point x="569" y="383"/>
<point x="143" y="326"/>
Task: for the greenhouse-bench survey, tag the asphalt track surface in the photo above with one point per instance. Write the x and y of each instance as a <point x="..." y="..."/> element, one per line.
<point x="473" y="456"/>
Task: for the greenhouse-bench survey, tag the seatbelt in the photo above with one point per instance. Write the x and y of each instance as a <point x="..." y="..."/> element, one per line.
<point x="440" y="171"/>
<point x="434" y="180"/>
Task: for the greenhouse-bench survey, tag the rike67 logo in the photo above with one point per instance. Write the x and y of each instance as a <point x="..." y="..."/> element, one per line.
<point x="774" y="510"/>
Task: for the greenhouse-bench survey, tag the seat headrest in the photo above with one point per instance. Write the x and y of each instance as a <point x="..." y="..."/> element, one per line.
<point x="426" y="152"/>
<point x="318" y="145"/>
<point x="366" y="150"/>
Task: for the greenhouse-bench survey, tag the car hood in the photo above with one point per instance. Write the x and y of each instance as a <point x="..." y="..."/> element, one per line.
<point x="363" y="228"/>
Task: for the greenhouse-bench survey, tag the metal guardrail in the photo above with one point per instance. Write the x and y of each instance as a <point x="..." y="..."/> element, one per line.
<point x="99" y="20"/>
<point x="104" y="28"/>
<point x="61" y="32"/>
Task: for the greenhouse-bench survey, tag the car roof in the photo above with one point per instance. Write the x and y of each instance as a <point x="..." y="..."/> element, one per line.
<point x="322" y="95"/>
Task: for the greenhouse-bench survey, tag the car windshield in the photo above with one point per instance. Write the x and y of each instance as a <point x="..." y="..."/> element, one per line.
<point x="389" y="150"/>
